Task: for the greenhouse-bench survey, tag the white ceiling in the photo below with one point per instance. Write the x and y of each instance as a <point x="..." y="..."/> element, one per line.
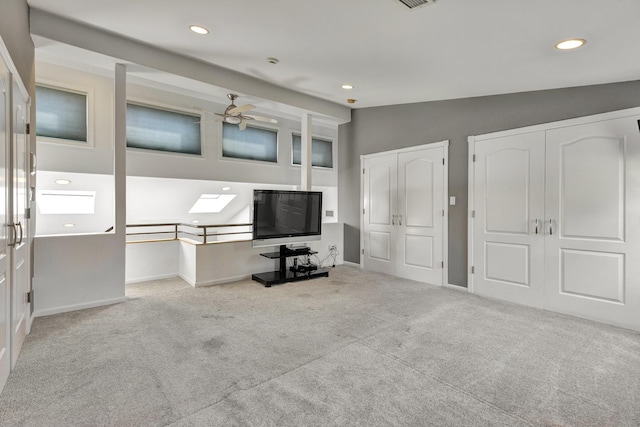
<point x="393" y="55"/>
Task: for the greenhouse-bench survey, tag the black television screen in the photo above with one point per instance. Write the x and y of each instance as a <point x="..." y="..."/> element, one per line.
<point x="280" y="214"/>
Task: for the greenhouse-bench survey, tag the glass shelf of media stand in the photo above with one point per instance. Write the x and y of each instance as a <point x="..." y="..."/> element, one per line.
<point x="284" y="275"/>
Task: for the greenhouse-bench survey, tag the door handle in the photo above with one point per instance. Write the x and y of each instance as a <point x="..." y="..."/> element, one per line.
<point x="536" y="231"/>
<point x="21" y="236"/>
<point x="399" y="219"/>
<point x="393" y="220"/>
<point x="550" y="227"/>
<point x="14" y="234"/>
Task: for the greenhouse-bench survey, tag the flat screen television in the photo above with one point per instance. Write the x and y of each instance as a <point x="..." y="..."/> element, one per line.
<point x="283" y="217"/>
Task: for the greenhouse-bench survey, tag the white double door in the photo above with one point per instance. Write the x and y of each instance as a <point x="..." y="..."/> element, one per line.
<point x="403" y="215"/>
<point x="556" y="219"/>
<point x="14" y="227"/>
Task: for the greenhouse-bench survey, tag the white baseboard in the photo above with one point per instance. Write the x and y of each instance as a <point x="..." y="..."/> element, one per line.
<point x="221" y="281"/>
<point x="351" y="264"/>
<point x="147" y="279"/>
<point x="76" y="307"/>
<point x="188" y="280"/>
<point x="456" y="287"/>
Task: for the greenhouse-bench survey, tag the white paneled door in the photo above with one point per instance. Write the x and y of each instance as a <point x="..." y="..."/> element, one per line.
<point x="593" y="221"/>
<point x="421" y="215"/>
<point x="380" y="182"/>
<point x="556" y="218"/>
<point x="5" y="229"/>
<point x="20" y="259"/>
<point x="404" y="213"/>
<point x="508" y="217"/>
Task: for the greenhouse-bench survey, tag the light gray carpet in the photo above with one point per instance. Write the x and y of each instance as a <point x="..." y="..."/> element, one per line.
<point x="354" y="349"/>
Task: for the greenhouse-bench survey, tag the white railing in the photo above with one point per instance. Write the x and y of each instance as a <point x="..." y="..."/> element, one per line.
<point x="192" y="233"/>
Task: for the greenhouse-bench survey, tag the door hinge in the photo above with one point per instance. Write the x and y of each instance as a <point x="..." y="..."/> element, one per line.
<point x="473" y="269"/>
<point x="362" y="171"/>
<point x="473" y="214"/>
<point x="29" y="297"/>
<point x="362" y="211"/>
<point x="442" y="212"/>
<point x="362" y="251"/>
<point x="442" y="264"/>
<point x="443" y="160"/>
<point x="28" y="129"/>
<point x="27" y="213"/>
<point x="474" y="157"/>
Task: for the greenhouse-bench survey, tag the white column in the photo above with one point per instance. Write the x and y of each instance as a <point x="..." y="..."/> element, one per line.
<point x="305" y="151"/>
<point x="120" y="158"/>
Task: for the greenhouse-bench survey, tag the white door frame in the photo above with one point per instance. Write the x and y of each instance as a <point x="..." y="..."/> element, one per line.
<point x="445" y="202"/>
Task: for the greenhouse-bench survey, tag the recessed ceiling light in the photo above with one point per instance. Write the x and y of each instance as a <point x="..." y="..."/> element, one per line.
<point x="69" y="225"/>
<point x="63" y="181"/>
<point x="351" y="101"/>
<point x="198" y="29"/>
<point x="195" y="221"/>
<point x="347" y="86"/>
<point x="272" y="60"/>
<point x="226" y="188"/>
<point x="570" y="44"/>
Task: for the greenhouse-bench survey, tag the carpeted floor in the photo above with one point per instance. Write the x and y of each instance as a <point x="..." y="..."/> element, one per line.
<point x="354" y="349"/>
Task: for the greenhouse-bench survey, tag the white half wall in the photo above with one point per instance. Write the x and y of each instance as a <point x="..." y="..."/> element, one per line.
<point x="187" y="262"/>
<point x="151" y="261"/>
<point x="77" y="272"/>
<point x="228" y="262"/>
<point x="203" y="265"/>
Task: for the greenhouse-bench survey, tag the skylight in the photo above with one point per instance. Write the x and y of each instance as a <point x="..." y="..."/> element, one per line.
<point x="211" y="203"/>
<point x="66" y="202"/>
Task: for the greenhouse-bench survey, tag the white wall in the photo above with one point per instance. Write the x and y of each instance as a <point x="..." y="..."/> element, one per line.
<point x="76" y="272"/>
<point x="151" y="261"/>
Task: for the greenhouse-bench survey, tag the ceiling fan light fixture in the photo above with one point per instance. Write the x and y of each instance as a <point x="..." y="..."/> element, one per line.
<point x="570" y="44"/>
<point x="198" y="29"/>
<point x="233" y="120"/>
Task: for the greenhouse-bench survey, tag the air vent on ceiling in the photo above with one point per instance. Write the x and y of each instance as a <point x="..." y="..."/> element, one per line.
<point x="415" y="3"/>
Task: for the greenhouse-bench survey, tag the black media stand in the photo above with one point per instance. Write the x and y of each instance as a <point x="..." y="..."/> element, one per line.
<point x="283" y="275"/>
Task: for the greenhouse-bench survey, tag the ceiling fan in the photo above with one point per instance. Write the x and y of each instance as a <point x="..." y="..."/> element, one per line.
<point x="233" y="114"/>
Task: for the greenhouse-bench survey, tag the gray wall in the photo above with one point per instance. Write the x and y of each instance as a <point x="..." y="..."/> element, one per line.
<point x="14" y="30"/>
<point x="379" y="129"/>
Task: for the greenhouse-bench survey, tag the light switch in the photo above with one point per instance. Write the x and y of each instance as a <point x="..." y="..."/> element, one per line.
<point x="452" y="200"/>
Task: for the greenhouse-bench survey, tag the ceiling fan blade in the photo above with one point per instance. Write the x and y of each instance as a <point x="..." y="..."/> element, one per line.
<point x="242" y="125"/>
<point x="241" y="109"/>
<point x="261" y="118"/>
